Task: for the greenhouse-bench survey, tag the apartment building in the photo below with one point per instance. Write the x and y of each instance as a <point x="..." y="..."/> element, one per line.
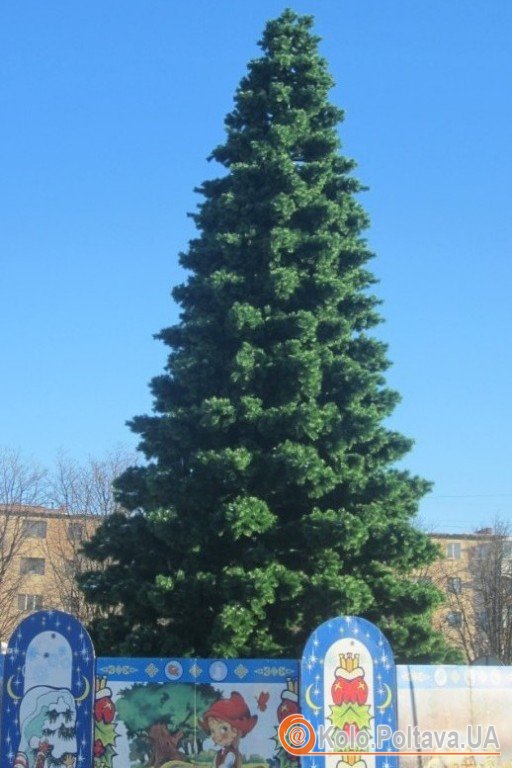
<point x="40" y="553"/>
<point x="475" y="573"/>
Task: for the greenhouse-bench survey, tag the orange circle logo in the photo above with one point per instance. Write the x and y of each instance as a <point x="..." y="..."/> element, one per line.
<point x="296" y="735"/>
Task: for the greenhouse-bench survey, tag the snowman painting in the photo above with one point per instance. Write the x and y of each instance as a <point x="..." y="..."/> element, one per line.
<point x="48" y="696"/>
<point x="48" y="728"/>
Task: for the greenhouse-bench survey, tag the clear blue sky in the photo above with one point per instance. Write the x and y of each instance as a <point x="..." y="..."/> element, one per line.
<point x="109" y="110"/>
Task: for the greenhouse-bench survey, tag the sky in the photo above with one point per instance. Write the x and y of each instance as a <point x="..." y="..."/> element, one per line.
<point x="109" y="112"/>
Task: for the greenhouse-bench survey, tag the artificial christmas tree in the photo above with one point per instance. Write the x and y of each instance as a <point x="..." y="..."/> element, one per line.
<point x="271" y="499"/>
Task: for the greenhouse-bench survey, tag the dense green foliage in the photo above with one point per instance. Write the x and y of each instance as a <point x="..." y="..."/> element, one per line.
<point x="271" y="500"/>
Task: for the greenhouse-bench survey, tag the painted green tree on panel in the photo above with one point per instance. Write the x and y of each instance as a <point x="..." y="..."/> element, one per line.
<point x="162" y="720"/>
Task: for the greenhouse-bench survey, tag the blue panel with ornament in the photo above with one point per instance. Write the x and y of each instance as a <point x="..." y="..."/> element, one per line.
<point x="158" y="670"/>
<point x="348" y="694"/>
<point x="48" y="694"/>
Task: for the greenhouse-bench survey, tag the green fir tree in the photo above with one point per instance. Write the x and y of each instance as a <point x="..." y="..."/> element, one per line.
<point x="271" y="499"/>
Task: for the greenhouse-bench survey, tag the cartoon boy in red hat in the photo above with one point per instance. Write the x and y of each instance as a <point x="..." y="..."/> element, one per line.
<point x="228" y="721"/>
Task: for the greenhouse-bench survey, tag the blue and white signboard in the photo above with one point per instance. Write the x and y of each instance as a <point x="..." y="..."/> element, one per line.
<point x="348" y="695"/>
<point x="48" y="694"/>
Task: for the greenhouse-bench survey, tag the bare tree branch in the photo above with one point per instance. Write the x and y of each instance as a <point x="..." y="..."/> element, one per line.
<point x="69" y="503"/>
<point x="478" y="589"/>
<point x="84" y="494"/>
<point x="21" y="488"/>
<point x="87" y="489"/>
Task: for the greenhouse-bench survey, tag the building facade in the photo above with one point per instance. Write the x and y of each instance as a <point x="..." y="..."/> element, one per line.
<point x="40" y="555"/>
<point x="475" y="573"/>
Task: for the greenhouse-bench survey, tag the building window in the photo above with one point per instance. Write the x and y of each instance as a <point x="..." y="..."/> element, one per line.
<point x="30" y="602"/>
<point x="76" y="531"/>
<point x="454" y="585"/>
<point x="482" y="621"/>
<point x="35" y="529"/>
<point x="32" y="565"/>
<point x="454" y="618"/>
<point x="453" y="550"/>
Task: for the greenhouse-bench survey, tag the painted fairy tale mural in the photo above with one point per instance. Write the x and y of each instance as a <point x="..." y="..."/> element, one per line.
<point x="47" y="694"/>
<point x="289" y="705"/>
<point x="153" y="712"/>
<point x="197" y="713"/>
<point x="227" y="721"/>
<point x="219" y="713"/>
<point x="472" y="702"/>
<point x="105" y="733"/>
<point x="349" y="690"/>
